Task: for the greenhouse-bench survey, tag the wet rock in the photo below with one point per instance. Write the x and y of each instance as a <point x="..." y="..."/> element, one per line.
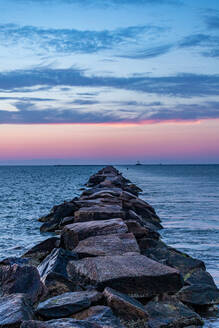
<point x="59" y="323"/>
<point x="98" y="213"/>
<point x="100" y="315"/>
<point x="54" y="273"/>
<point x="95" y="192"/>
<point x="137" y="276"/>
<point x="50" y="226"/>
<point x="66" y="220"/>
<point x="171" y="313"/>
<point x="117" y="244"/>
<point x="141" y="231"/>
<point x="73" y="233"/>
<point x="38" y="253"/>
<point x="199" y="295"/>
<point x="200" y="277"/>
<point x="21" y="279"/>
<point x="13" y="310"/>
<point x="63" y="305"/>
<point x="126" y="308"/>
<point x="15" y="260"/>
<point x="172" y="257"/>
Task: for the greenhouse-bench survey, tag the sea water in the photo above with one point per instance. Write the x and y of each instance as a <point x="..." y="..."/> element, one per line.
<point x="186" y="197"/>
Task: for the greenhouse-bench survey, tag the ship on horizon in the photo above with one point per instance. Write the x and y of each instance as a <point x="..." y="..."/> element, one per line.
<point x="138" y="163"/>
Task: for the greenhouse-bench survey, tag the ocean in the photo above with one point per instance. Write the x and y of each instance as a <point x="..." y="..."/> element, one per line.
<point x="186" y="197"/>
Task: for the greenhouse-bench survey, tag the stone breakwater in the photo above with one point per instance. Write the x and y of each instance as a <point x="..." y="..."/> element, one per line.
<point x="105" y="267"/>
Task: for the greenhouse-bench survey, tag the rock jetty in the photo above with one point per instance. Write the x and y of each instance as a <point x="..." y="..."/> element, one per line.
<point x="106" y="266"/>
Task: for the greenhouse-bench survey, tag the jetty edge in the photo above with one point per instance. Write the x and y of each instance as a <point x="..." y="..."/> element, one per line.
<point x="105" y="267"/>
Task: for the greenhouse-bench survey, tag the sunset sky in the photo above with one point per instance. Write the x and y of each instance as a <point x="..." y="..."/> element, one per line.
<point x="109" y="81"/>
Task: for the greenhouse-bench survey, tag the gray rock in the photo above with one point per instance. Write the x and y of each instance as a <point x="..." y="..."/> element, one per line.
<point x="117" y="244"/>
<point x="38" y="253"/>
<point x="13" y="310"/>
<point x="137" y="276"/>
<point x="126" y="307"/>
<point x="100" y="315"/>
<point x="59" y="323"/>
<point x="21" y="279"/>
<point x="73" y="233"/>
<point x="54" y="273"/>
<point x="93" y="213"/>
<point x="199" y="295"/>
<point x="63" y="305"/>
<point x="171" y="313"/>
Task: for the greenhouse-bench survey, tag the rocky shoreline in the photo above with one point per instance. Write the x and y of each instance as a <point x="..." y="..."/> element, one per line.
<point x="106" y="267"/>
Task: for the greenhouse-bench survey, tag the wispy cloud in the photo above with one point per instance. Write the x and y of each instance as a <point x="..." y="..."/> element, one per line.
<point x="148" y="52"/>
<point x="212" y="21"/>
<point x="29" y="114"/>
<point x="181" y="85"/>
<point x="72" y="40"/>
<point x="208" y="44"/>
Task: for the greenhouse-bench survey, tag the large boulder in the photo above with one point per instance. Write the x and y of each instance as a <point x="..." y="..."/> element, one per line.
<point x="141" y="231"/>
<point x="63" y="305"/>
<point x="54" y="273"/>
<point x="38" y="253"/>
<point x="101" y="316"/>
<point x="126" y="308"/>
<point x="21" y="279"/>
<point x="117" y="244"/>
<point x="137" y="276"/>
<point x="171" y="313"/>
<point x="199" y="296"/>
<point x="93" y="213"/>
<point x="13" y="310"/>
<point x="73" y="233"/>
<point x="159" y="251"/>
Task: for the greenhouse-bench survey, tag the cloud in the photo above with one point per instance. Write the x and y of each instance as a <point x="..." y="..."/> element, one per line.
<point x="71" y="40"/>
<point x="209" y="44"/>
<point x="29" y="114"/>
<point x="181" y="85"/>
<point x="149" y="52"/>
<point x="212" y="21"/>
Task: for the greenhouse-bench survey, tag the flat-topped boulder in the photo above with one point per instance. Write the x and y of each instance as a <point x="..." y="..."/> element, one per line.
<point x="93" y="213"/>
<point x="126" y="308"/>
<point x="116" y="244"/>
<point x="73" y="233"/>
<point x="13" y="310"/>
<point x="136" y="276"/>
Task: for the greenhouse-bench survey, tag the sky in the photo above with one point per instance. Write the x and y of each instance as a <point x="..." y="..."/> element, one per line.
<point x="109" y="81"/>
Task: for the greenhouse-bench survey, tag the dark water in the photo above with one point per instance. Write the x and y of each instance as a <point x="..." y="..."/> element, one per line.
<point x="186" y="197"/>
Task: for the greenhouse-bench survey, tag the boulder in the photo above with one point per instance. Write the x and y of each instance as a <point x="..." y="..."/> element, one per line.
<point x="117" y="244"/>
<point x="66" y="220"/>
<point x="100" y="315"/>
<point x="199" y="296"/>
<point x="60" y="323"/>
<point x="159" y="251"/>
<point x="140" y="231"/>
<point x="126" y="308"/>
<point x="15" y="260"/>
<point x="94" y="213"/>
<point x="50" y="226"/>
<point x="171" y="313"/>
<point x="38" y="253"/>
<point x="199" y="277"/>
<point x="63" y="305"/>
<point x="13" y="310"/>
<point x="137" y="276"/>
<point x="22" y="279"/>
<point x="73" y="233"/>
<point x="54" y="273"/>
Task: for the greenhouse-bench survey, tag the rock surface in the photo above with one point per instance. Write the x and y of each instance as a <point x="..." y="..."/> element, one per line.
<point x="117" y="244"/>
<point x="137" y="276"/>
<point x="21" y="279"/>
<point x="13" y="310"/>
<point x="73" y="233"/>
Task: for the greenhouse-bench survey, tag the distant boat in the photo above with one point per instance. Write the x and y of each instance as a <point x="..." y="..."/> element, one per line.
<point x="138" y="163"/>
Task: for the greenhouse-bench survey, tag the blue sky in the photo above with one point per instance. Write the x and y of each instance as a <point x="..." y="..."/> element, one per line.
<point x="95" y="61"/>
